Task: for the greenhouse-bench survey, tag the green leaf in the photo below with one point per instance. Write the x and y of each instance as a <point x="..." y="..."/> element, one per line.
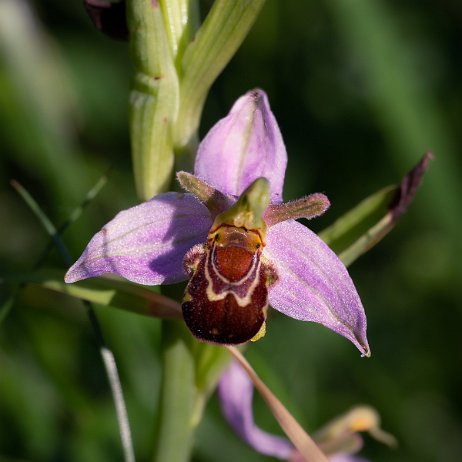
<point x="216" y="42"/>
<point x="357" y="230"/>
<point x="365" y="225"/>
<point x="181" y="19"/>
<point x="106" y="292"/>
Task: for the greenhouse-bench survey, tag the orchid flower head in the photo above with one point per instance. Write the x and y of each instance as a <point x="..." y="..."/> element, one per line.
<point x="234" y="239"/>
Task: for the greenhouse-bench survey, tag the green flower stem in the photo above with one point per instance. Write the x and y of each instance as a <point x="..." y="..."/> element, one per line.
<point x="181" y="19"/>
<point x="175" y="425"/>
<point x="190" y="372"/>
<point x="221" y="34"/>
<point x="153" y="98"/>
<point x="211" y="360"/>
<point x="161" y="122"/>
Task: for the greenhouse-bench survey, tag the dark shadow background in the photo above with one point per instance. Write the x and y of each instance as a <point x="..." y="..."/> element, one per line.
<point x="361" y="89"/>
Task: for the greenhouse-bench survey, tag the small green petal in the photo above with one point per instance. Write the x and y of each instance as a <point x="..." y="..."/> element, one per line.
<point x="306" y="207"/>
<point x="214" y="200"/>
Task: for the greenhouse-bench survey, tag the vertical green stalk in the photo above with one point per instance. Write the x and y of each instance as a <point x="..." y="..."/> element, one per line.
<point x="175" y="425"/>
<point x="157" y="31"/>
<point x="166" y="59"/>
<point x="153" y="98"/>
<point x="190" y="372"/>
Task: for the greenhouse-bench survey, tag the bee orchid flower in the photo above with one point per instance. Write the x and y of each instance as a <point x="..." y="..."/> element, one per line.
<point x="234" y="239"/>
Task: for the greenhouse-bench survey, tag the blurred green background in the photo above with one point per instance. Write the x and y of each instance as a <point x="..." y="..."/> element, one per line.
<point x="361" y="89"/>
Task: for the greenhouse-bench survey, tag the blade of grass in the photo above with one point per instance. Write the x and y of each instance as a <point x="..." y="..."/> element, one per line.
<point x="106" y="354"/>
<point x="7" y="303"/>
<point x="44" y="220"/>
<point x="50" y="228"/>
<point x="74" y="216"/>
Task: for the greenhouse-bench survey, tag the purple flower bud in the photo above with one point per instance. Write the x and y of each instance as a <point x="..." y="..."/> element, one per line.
<point x="109" y="17"/>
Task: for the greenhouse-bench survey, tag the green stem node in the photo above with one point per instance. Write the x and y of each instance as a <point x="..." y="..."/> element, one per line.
<point x="154" y="98"/>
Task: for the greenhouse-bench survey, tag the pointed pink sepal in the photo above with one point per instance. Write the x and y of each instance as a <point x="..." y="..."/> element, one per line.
<point x="146" y="243"/>
<point x="313" y="283"/>
<point x="245" y="145"/>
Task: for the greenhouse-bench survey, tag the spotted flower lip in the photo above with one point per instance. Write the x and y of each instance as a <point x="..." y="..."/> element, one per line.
<point x="147" y="243"/>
